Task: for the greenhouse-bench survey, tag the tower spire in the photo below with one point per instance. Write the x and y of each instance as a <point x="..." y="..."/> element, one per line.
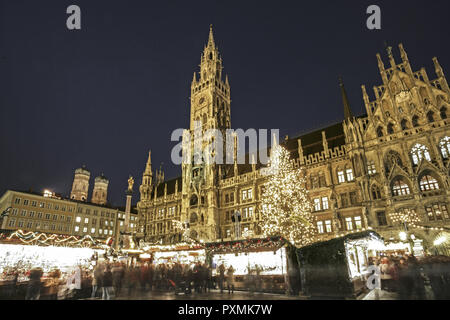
<point x="347" y="111"/>
<point x="211" y="36"/>
<point x="148" y="166"/>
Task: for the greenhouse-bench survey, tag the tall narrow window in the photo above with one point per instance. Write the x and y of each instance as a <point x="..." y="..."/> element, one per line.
<point x="320" y="226"/>
<point x="349" y="174"/>
<point x="404" y="124"/>
<point x="418" y="152"/>
<point x="379" y="131"/>
<point x="349" y="224"/>
<point x="430" y="116"/>
<point x="443" y="113"/>
<point x="390" y="128"/>
<point x="444" y="145"/>
<point x="341" y="176"/>
<point x="415" y="121"/>
<point x="371" y="169"/>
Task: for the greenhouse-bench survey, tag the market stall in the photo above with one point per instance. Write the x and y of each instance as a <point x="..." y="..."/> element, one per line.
<point x="338" y="267"/>
<point x="183" y="253"/>
<point x="56" y="256"/>
<point x="259" y="264"/>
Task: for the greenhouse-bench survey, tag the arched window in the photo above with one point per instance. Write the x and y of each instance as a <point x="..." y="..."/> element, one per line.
<point x="390" y="128"/>
<point x="376" y="192"/>
<point x="379" y="131"/>
<point x="399" y="187"/>
<point x="418" y="152"/>
<point x="430" y="116"/>
<point x="404" y="124"/>
<point x="444" y="146"/>
<point x="428" y="182"/>
<point x="193" y="234"/>
<point x="193" y="218"/>
<point x="443" y="112"/>
<point x="415" y="121"/>
<point x="194" y="200"/>
<point x="392" y="158"/>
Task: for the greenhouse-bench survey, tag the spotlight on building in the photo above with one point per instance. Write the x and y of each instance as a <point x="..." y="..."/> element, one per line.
<point x="440" y="240"/>
<point x="402" y="236"/>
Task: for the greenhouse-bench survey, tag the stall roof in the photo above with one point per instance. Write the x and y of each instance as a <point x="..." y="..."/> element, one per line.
<point x="351" y="236"/>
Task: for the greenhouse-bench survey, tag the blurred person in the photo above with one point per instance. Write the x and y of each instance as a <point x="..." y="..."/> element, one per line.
<point x="96" y="280"/>
<point x="34" y="284"/>
<point x="221" y="277"/>
<point x="117" y="275"/>
<point x="107" y="283"/>
<point x="230" y="279"/>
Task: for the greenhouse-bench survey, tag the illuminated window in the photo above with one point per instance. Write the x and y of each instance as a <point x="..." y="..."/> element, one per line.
<point x="41" y="205"/>
<point x="444" y="145"/>
<point x="86" y="220"/>
<point x="324" y="203"/>
<point x="349" y="224"/>
<point x="317" y="204"/>
<point x="105" y="231"/>
<point x="328" y="227"/>
<point x="400" y="188"/>
<point x="78" y="219"/>
<point x="371" y="167"/>
<point x="437" y="212"/>
<point x="77" y="228"/>
<point x="428" y="182"/>
<point x="110" y="232"/>
<point x="85" y="229"/>
<point x="100" y="231"/>
<point x="349" y="174"/>
<point x="358" y="223"/>
<point x="320" y="226"/>
<point x="418" y="152"/>
<point x="121" y="223"/>
<point x="341" y="176"/>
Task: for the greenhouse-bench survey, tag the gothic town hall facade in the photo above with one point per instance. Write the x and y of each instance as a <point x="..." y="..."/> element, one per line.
<point x="395" y="158"/>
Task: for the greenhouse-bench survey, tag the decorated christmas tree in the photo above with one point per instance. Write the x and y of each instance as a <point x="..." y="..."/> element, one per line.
<point x="285" y="207"/>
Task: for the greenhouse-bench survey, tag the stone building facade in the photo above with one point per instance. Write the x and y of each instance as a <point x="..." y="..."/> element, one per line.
<point x="359" y="171"/>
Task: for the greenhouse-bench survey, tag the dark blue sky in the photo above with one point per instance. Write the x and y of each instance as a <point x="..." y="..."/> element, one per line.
<point x="103" y="96"/>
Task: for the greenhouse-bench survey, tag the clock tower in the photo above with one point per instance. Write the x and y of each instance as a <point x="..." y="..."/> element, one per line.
<point x="210" y="109"/>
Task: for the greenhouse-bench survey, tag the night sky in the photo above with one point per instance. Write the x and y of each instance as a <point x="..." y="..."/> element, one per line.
<point x="106" y="94"/>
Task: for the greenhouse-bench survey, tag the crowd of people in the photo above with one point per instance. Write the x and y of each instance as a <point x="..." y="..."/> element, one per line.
<point x="428" y="278"/>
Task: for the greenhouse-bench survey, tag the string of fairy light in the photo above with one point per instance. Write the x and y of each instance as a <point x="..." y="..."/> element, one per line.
<point x="285" y="207"/>
<point x="53" y="239"/>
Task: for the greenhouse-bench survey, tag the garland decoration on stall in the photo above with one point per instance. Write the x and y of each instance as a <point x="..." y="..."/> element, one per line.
<point x="247" y="245"/>
<point x="54" y="239"/>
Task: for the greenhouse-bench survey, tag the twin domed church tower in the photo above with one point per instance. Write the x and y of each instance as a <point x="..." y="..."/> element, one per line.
<point x="80" y="187"/>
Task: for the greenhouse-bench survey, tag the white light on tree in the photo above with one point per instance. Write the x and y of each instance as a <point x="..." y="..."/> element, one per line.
<point x="285" y="207"/>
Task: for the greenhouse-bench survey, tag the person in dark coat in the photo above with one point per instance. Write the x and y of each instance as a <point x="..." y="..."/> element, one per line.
<point x="221" y="277"/>
<point x="34" y="284"/>
<point x="117" y="274"/>
<point x="107" y="283"/>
